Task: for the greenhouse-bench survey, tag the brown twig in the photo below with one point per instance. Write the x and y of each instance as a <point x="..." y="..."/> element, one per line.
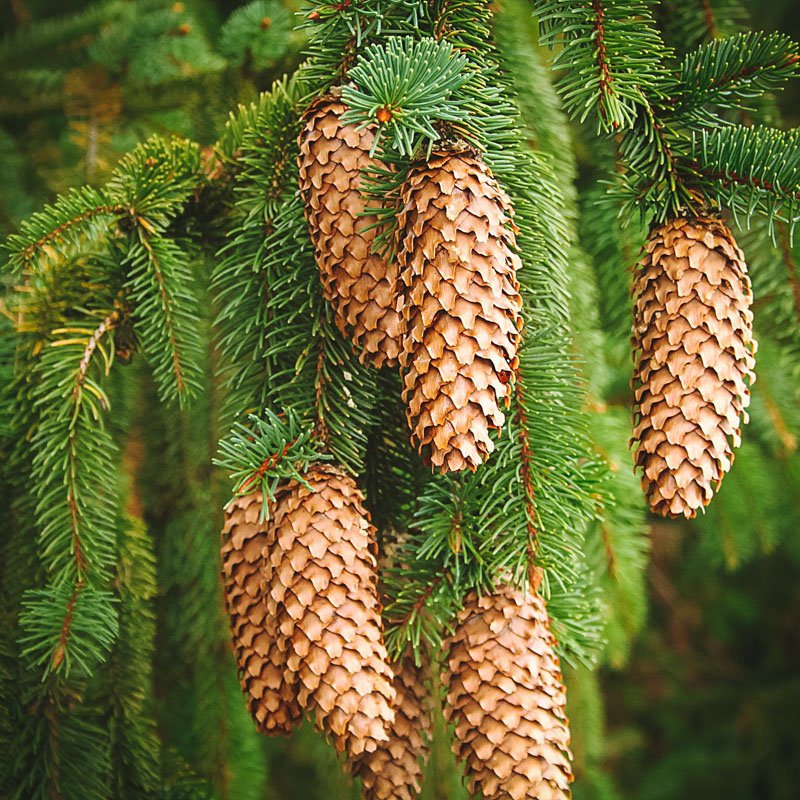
<point x="28" y="252"/>
<point x="604" y="71"/>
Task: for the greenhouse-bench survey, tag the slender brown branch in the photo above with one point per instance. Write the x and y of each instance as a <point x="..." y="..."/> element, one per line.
<point x="107" y="324"/>
<point x="28" y="253"/>
<point x="319" y="388"/>
<point x="728" y="177"/>
<point x="66" y="626"/>
<point x="604" y="71"/>
<point x="266" y="465"/>
<point x="708" y="17"/>
<point x="81" y="562"/>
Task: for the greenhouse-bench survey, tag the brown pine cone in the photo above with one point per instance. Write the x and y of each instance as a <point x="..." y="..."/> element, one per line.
<point x="393" y="771"/>
<point x="259" y="656"/>
<point x="694" y="353"/>
<point x="322" y="578"/>
<point x="462" y="307"/>
<point x="362" y="286"/>
<point x="506" y="698"/>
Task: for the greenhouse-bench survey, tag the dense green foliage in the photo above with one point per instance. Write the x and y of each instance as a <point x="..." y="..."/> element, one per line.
<point x="167" y="316"/>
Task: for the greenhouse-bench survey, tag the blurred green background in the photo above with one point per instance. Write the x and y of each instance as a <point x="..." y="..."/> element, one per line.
<point x="702" y="702"/>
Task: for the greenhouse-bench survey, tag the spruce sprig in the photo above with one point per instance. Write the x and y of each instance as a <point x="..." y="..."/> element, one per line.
<point x="265" y="451"/>
<point x="728" y="73"/>
<point x="405" y="86"/>
<point x="752" y="169"/>
<point x="611" y="53"/>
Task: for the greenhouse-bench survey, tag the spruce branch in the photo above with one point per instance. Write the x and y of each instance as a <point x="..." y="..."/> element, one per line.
<point x="729" y="72"/>
<point x="165" y="312"/>
<point x="692" y="22"/>
<point x="77" y="218"/>
<point x="404" y="87"/>
<point x="267" y="451"/>
<point x="67" y="628"/>
<point x="611" y="53"/>
<point x="258" y="31"/>
<point x="752" y="169"/>
<point x="70" y="450"/>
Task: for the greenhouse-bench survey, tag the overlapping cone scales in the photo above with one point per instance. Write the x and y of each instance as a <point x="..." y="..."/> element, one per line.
<point x="394" y="770"/>
<point x="505" y="697"/>
<point x="693" y="349"/>
<point x="259" y="656"/>
<point x="361" y="286"/>
<point x="323" y="597"/>
<point x="461" y="311"/>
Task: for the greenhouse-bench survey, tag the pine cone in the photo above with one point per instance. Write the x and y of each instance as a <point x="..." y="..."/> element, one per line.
<point x="259" y="656"/>
<point x="362" y="286"/>
<point x="323" y="596"/>
<point x="461" y="311"/>
<point x="693" y="347"/>
<point x="506" y="698"/>
<point x="393" y="771"/>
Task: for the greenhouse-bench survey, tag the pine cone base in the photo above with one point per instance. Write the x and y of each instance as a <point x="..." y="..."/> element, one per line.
<point x="393" y="771"/>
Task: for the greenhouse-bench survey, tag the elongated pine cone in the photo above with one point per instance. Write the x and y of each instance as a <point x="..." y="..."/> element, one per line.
<point x="462" y="308"/>
<point x="694" y="354"/>
<point x="393" y="771"/>
<point x="505" y="696"/>
<point x="322" y="579"/>
<point x="260" y="658"/>
<point x="361" y="285"/>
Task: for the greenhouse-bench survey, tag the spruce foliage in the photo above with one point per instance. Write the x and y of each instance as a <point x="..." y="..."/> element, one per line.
<point x="168" y="317"/>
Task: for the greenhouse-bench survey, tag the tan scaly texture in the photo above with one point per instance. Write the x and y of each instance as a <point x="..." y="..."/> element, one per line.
<point x="322" y="579"/>
<point x="259" y="656"/>
<point x="461" y="310"/>
<point x="694" y="355"/>
<point x="393" y="771"/>
<point x="361" y="286"/>
<point x="506" y="698"/>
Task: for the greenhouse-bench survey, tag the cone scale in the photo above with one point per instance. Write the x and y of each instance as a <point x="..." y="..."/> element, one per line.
<point x="694" y="357"/>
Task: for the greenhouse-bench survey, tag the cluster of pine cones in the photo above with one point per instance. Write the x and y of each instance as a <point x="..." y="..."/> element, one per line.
<point x="447" y="310"/>
<point x="302" y="588"/>
<point x="302" y="594"/>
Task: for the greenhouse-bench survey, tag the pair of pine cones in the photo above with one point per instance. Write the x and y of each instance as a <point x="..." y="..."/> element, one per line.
<point x="447" y="310"/>
<point x="302" y="596"/>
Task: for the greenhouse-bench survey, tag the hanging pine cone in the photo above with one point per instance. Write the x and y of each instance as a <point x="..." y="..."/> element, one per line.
<point x="693" y="348"/>
<point x="393" y="771"/>
<point x="362" y="286"/>
<point x="506" y="698"/>
<point x="323" y="595"/>
<point x="259" y="656"/>
<point x="461" y="311"/>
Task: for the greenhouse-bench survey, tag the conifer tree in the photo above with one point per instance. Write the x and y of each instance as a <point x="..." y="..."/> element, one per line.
<point x="356" y="376"/>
